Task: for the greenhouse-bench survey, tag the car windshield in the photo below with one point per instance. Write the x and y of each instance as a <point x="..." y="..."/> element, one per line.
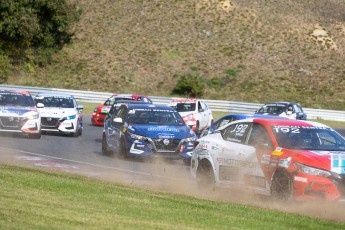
<point x="55" y="101"/>
<point x="112" y="100"/>
<point x="308" y="138"/>
<point x="8" y="99"/>
<point x="272" y="109"/>
<point x="184" y="107"/>
<point x="154" y="117"/>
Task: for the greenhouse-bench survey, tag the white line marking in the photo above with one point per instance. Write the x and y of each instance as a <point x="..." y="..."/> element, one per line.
<point x="85" y="163"/>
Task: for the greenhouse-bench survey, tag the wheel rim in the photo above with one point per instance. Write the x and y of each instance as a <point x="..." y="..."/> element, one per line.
<point x="282" y="186"/>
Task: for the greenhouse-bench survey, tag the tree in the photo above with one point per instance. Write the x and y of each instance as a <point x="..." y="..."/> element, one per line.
<point x="35" y="24"/>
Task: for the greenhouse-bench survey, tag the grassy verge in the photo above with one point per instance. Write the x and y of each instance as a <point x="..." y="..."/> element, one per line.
<point x="37" y="199"/>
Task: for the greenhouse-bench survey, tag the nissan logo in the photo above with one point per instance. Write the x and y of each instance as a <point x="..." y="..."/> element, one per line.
<point x="166" y="141"/>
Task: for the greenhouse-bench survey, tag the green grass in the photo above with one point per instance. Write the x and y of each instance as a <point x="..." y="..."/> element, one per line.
<point x="38" y="199"/>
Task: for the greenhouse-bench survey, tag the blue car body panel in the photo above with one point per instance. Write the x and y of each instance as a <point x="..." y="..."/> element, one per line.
<point x="150" y="139"/>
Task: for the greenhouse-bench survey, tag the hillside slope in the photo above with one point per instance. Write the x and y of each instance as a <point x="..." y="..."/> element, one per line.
<point x="255" y="51"/>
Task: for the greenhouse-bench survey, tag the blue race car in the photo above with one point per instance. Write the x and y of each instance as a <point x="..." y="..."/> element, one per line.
<point x="147" y="130"/>
<point x="233" y="117"/>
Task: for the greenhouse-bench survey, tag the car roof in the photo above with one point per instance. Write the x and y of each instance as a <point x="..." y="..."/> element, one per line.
<point x="280" y="103"/>
<point x="26" y="93"/>
<point x="54" y="95"/>
<point x="247" y="116"/>
<point x="277" y="122"/>
<point x="184" y="100"/>
<point x="148" y="106"/>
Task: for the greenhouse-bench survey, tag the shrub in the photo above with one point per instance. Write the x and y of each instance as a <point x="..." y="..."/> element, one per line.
<point x="189" y="85"/>
<point x="5" y="68"/>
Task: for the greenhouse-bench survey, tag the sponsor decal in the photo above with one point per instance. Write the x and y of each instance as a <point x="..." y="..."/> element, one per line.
<point x="124" y="129"/>
<point x="164" y="129"/>
<point x="301" y="179"/>
<point x="265" y="159"/>
<point x="237" y="163"/>
<point x="166" y="135"/>
<point x="278" y="152"/>
<point x="285" y="163"/>
<point x="338" y="163"/>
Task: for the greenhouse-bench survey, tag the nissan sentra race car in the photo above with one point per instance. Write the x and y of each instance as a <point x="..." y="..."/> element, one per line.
<point x="18" y="114"/>
<point x="147" y="130"/>
<point x="288" y="159"/>
<point x="60" y="113"/>
<point x="194" y="112"/>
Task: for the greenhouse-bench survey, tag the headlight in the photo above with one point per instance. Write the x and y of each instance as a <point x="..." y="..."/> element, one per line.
<point x="32" y="117"/>
<point x="189" y="139"/>
<point x="135" y="136"/>
<point x="68" y="117"/>
<point x="312" y="171"/>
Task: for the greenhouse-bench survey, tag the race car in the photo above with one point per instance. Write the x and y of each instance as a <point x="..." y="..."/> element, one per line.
<point x="234" y="117"/>
<point x="60" y="113"/>
<point x="98" y="114"/>
<point x="147" y="130"/>
<point x="290" y="110"/>
<point x="18" y="114"/>
<point x="194" y="112"/>
<point x="287" y="159"/>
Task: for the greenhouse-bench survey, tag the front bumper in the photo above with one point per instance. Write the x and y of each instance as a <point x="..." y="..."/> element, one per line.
<point x="172" y="148"/>
<point x="319" y="188"/>
<point x="55" y="125"/>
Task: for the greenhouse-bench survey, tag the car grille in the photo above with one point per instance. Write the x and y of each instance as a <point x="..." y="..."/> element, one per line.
<point x="48" y="122"/>
<point x="13" y="123"/>
<point x="172" y="146"/>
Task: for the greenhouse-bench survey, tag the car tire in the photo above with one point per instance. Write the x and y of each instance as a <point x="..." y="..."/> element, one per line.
<point x="282" y="186"/>
<point x="122" y="149"/>
<point x="105" y="148"/>
<point x="205" y="176"/>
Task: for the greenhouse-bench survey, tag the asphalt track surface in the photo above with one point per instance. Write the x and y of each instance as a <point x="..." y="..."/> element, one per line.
<point x="83" y="156"/>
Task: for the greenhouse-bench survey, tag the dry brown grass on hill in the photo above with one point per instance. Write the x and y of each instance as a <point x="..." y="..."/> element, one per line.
<point x="280" y="50"/>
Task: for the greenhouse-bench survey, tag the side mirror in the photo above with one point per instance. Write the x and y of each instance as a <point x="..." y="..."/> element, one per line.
<point x="80" y="107"/>
<point x="117" y="120"/>
<point x="40" y="105"/>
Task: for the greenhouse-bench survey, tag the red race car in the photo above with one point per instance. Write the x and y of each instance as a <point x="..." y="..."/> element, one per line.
<point x="288" y="159"/>
<point x="97" y="115"/>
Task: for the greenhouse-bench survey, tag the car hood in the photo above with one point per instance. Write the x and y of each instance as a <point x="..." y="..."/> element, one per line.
<point x="169" y="132"/>
<point x="57" y="112"/>
<point x="328" y="160"/>
<point x="183" y="114"/>
<point x="16" y="111"/>
<point x="100" y="108"/>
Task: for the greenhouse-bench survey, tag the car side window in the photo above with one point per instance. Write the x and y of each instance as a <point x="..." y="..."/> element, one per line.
<point x="297" y="109"/>
<point x="204" y="106"/>
<point x="236" y="132"/>
<point x="200" y="107"/>
<point x="259" y="137"/>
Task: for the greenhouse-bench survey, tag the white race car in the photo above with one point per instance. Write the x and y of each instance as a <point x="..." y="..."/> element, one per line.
<point x="60" y="113"/>
<point x="18" y="114"/>
<point x="194" y="112"/>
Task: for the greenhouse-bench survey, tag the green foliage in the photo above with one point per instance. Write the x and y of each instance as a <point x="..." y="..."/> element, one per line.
<point x="5" y="68"/>
<point x="190" y="85"/>
<point x="39" y="24"/>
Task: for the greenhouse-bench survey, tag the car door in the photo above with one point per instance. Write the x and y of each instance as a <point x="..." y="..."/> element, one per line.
<point x="234" y="158"/>
<point x="260" y="140"/>
<point x="204" y="116"/>
<point x="113" y="130"/>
